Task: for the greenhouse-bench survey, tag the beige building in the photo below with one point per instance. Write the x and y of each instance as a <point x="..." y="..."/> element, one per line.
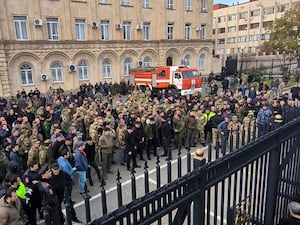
<point x="52" y="43"/>
<point x="245" y="27"/>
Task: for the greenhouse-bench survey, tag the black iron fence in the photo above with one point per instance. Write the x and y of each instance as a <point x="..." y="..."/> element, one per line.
<point x="251" y="179"/>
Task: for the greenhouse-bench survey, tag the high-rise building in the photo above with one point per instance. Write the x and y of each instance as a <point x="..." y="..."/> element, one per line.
<point x="245" y="27"/>
<point x="52" y="43"/>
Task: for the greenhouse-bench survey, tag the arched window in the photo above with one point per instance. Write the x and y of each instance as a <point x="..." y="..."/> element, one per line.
<point x="26" y="74"/>
<point x="56" y="71"/>
<point x="169" y="61"/>
<point x="147" y="61"/>
<point x="187" y="60"/>
<point x="202" y="62"/>
<point x="106" y="68"/>
<point x="127" y="66"/>
<point x="83" y="70"/>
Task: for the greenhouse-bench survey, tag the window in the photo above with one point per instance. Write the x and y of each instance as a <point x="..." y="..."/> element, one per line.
<point x="232" y="29"/>
<point x="266" y="36"/>
<point x="126" y="31"/>
<point x="125" y="2"/>
<point x="269" y="11"/>
<point x="232" y="17"/>
<point x="146" y="31"/>
<point x="21" y="27"/>
<point x="103" y="1"/>
<point x="187" y="32"/>
<point x="230" y="40"/>
<point x="254" y="37"/>
<point x="104" y="30"/>
<point x="170" y="31"/>
<point x="186" y="60"/>
<point x="221" y="19"/>
<point x="147" y="61"/>
<point x="146" y="3"/>
<point x="203" y="6"/>
<point x="202" y="62"/>
<point x="242" y="38"/>
<point x="255" y="13"/>
<point x="188" y="5"/>
<point x="221" y="41"/>
<point x="83" y="70"/>
<point x="56" y="71"/>
<point x="170" y="4"/>
<point x="106" y="68"/>
<point x="221" y="30"/>
<point x="203" y="32"/>
<point x="52" y="26"/>
<point x="243" y="27"/>
<point x="26" y="74"/>
<point x="281" y="8"/>
<point x="268" y="24"/>
<point x="127" y="66"/>
<point x="80" y="29"/>
<point x="254" y="25"/>
<point x="243" y="15"/>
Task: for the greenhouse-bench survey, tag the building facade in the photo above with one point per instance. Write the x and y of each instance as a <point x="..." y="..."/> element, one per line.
<point x="243" y="28"/>
<point x="52" y="43"/>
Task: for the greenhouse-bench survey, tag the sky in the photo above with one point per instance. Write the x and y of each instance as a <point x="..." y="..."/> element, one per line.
<point x="229" y="2"/>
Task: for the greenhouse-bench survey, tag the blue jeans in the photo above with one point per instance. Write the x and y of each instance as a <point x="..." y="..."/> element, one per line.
<point x="82" y="180"/>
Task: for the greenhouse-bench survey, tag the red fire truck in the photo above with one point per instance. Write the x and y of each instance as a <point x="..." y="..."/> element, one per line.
<point x="185" y="79"/>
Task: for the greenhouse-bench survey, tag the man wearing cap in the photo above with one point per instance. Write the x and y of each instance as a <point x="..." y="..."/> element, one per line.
<point x="106" y="144"/>
<point x="81" y="165"/>
<point x="31" y="178"/>
<point x="62" y="183"/>
<point x="50" y="201"/>
<point x="45" y="153"/>
<point x="33" y="154"/>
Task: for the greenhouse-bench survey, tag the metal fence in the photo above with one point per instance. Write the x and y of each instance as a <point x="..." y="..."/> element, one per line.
<point x="252" y="180"/>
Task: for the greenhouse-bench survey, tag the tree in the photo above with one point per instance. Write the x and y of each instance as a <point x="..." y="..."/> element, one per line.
<point x="285" y="32"/>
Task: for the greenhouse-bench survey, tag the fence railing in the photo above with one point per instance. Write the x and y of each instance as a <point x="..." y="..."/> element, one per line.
<point x="261" y="171"/>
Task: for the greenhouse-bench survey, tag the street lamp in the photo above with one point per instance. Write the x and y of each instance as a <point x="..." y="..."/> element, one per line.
<point x="242" y="58"/>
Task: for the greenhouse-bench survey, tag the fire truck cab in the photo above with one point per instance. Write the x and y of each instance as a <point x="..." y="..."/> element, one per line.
<point x="184" y="79"/>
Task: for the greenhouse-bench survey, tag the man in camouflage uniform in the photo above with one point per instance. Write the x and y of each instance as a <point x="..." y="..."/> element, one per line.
<point x="45" y="154"/>
<point x="190" y="124"/>
<point x="33" y="154"/>
<point x="248" y="128"/>
<point x="179" y="128"/>
<point x="106" y="144"/>
<point x="201" y="122"/>
<point x="88" y="120"/>
<point x="234" y="128"/>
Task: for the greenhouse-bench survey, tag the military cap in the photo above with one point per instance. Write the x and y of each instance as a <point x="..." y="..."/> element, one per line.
<point x="43" y="170"/>
<point x="106" y="129"/>
<point x="199" y="154"/>
<point x="47" y="142"/>
<point x="35" y="141"/>
<point x="55" y="166"/>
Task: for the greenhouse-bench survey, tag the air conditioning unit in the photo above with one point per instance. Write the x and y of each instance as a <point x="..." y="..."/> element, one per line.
<point x="119" y="26"/>
<point x="38" y="22"/>
<point x="44" y="77"/>
<point x="139" y="27"/>
<point x="94" y="24"/>
<point x="72" y="68"/>
<point x="198" y="28"/>
<point x="140" y="63"/>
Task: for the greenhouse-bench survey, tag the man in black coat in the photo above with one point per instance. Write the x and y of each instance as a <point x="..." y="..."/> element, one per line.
<point x="131" y="149"/>
<point x="90" y="151"/>
<point x="61" y="182"/>
<point x="50" y="201"/>
<point x="166" y="132"/>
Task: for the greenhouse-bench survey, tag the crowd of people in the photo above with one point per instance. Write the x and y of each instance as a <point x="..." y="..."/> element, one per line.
<point x="48" y="138"/>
